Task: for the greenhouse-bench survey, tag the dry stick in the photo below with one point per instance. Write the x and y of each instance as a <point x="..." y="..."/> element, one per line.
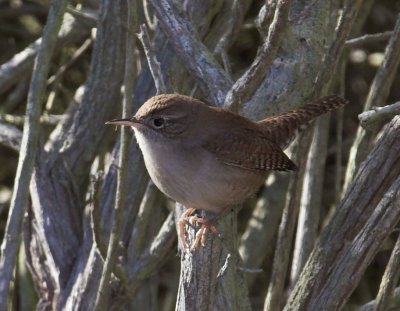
<point x="29" y="145"/>
<point x="332" y="57"/>
<point x="10" y="136"/>
<point x="389" y="279"/>
<point x="151" y="200"/>
<point x="281" y="259"/>
<point x="311" y="195"/>
<point x="263" y="225"/>
<point x="211" y="78"/>
<point x="16" y="96"/>
<point x="78" y="53"/>
<point x="373" y="119"/>
<point x="274" y="298"/>
<point x="21" y="64"/>
<point x="377" y="96"/>
<point x="322" y="82"/>
<point x="322" y="286"/>
<point x="115" y="234"/>
<point x="368" y="39"/>
<point x="362" y="250"/>
<point x="154" y="64"/>
<point x="154" y="256"/>
<point x="394" y="300"/>
<point x="247" y="84"/>
<point x="49" y="119"/>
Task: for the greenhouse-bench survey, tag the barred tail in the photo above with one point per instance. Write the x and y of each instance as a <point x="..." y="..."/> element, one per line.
<point x="283" y="128"/>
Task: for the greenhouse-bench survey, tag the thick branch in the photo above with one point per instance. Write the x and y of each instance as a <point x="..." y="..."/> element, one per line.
<point x="29" y="145"/>
<point x="209" y="75"/>
<point x="355" y="217"/>
<point x="377" y="96"/>
<point x="245" y="86"/>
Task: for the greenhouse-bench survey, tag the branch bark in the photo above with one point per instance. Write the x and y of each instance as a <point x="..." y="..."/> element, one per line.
<point x="29" y="146"/>
<point x="366" y="215"/>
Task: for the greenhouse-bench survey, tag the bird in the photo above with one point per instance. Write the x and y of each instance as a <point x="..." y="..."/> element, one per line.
<point x="211" y="159"/>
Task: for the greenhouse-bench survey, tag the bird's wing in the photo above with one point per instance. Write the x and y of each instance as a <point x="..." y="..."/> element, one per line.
<point x="248" y="149"/>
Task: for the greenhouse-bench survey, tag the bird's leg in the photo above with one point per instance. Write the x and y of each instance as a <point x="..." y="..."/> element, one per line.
<point x="206" y="225"/>
<point x="181" y="224"/>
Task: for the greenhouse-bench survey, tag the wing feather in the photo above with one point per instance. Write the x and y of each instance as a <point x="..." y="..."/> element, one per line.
<point x="248" y="149"/>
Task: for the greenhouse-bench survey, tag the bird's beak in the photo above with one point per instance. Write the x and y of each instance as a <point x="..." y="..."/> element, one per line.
<point x="124" y="122"/>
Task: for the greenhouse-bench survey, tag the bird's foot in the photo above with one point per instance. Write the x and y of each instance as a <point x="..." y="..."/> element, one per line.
<point x="182" y="222"/>
<point x="206" y="225"/>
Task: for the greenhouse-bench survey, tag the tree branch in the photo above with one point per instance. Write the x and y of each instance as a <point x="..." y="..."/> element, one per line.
<point x="377" y="96"/>
<point x="351" y="225"/>
<point x="29" y="145"/>
<point x="209" y="75"/>
<point x="245" y="86"/>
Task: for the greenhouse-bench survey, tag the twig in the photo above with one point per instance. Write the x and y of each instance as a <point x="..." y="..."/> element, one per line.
<point x="151" y="200"/>
<point x="368" y="39"/>
<point x="389" y="279"/>
<point x="10" y="136"/>
<point x="78" y="53"/>
<point x="154" y="256"/>
<point x="49" y="119"/>
<point x="263" y="225"/>
<point x="29" y="145"/>
<point x="154" y="64"/>
<point x="87" y="15"/>
<point x="377" y="96"/>
<point x="245" y="86"/>
<point x="358" y="219"/>
<point x="311" y="196"/>
<point x="120" y="197"/>
<point x="274" y="298"/>
<point x="371" y="305"/>
<point x="21" y="64"/>
<point x="332" y="56"/>
<point x="208" y="74"/>
<point x="16" y="96"/>
<point x="374" y="118"/>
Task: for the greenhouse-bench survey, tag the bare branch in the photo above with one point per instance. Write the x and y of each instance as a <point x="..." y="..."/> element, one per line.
<point x="332" y="57"/>
<point x="321" y="283"/>
<point x="214" y="82"/>
<point x="368" y="39"/>
<point x="120" y="197"/>
<point x="274" y="298"/>
<point x="389" y="279"/>
<point x="377" y="96"/>
<point x="245" y="86"/>
<point x="154" y="64"/>
<point x="311" y="196"/>
<point x="21" y="64"/>
<point x="374" y="118"/>
<point x="29" y="145"/>
<point x="10" y="136"/>
<point x="394" y="301"/>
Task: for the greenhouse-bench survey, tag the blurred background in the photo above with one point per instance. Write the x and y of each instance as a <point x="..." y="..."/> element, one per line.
<point x="21" y="23"/>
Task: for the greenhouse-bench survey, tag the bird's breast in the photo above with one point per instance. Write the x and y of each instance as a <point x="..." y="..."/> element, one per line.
<point x="194" y="177"/>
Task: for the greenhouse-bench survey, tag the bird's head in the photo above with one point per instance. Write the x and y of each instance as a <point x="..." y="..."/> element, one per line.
<point x="167" y="115"/>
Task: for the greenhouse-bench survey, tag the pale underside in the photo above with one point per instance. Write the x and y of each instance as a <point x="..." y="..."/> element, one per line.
<point x="209" y="185"/>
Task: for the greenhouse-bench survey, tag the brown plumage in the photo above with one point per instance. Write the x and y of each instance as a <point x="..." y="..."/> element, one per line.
<point x="209" y="158"/>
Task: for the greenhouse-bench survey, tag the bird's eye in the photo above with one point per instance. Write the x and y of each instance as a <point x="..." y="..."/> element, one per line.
<point x="158" y="122"/>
